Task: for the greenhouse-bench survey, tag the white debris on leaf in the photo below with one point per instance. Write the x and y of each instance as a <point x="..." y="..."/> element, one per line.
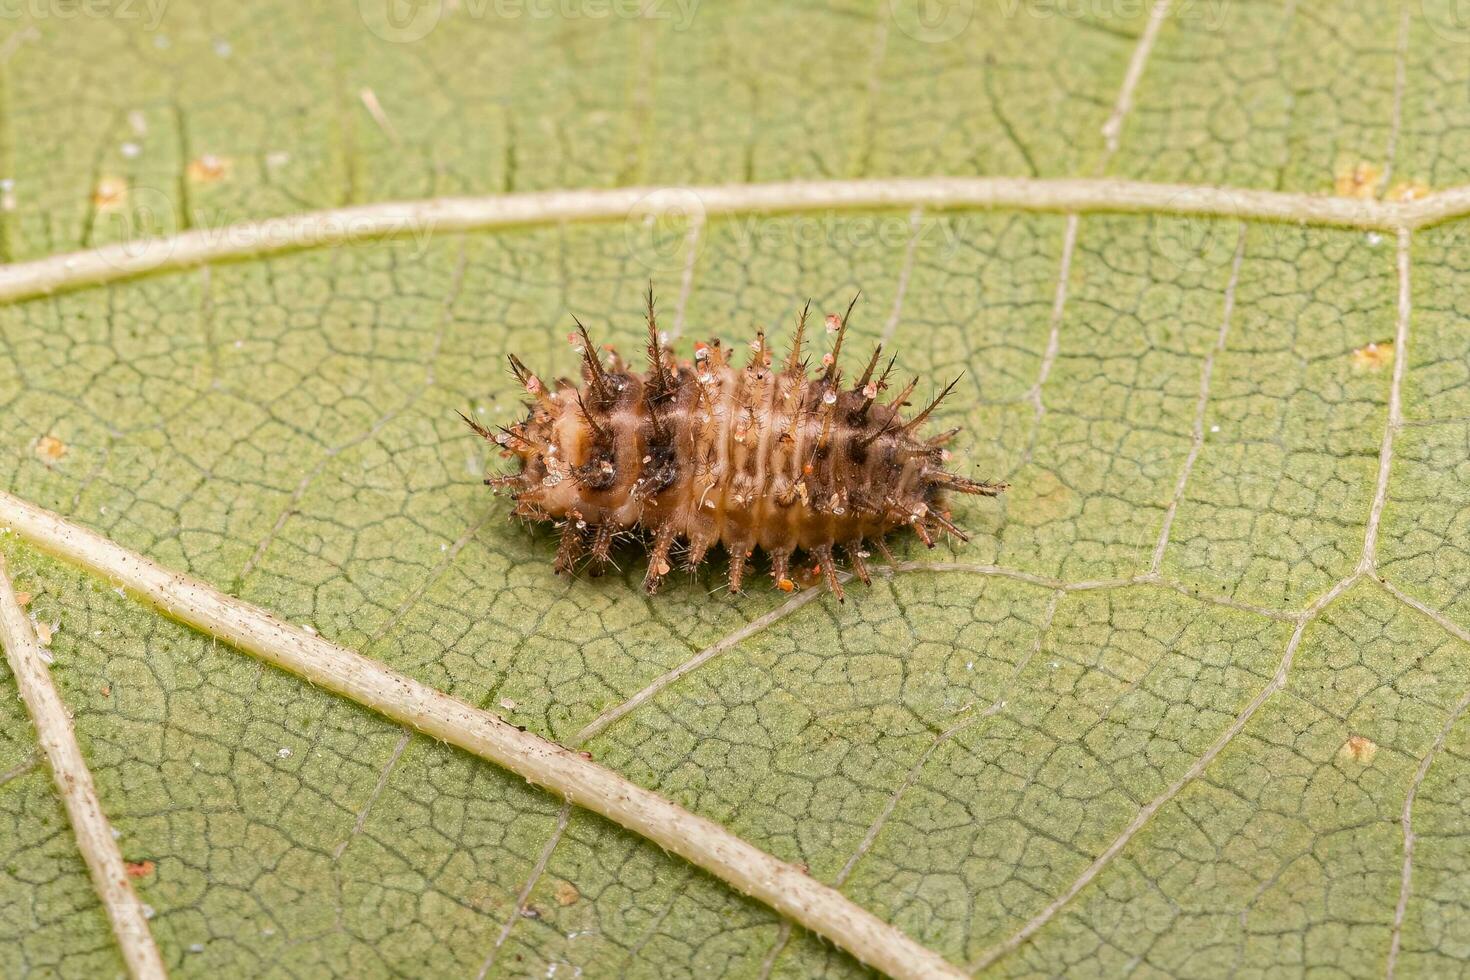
<point x="283" y="753"/>
<point x="44" y="632"/>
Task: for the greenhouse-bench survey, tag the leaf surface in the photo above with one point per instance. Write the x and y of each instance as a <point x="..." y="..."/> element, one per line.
<point x="1152" y="717"/>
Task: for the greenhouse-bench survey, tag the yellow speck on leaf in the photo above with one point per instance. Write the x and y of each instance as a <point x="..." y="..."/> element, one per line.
<point x="1359" y="748"/>
<point x="1373" y="357"/>
<point x="110" y="193"/>
<point x="50" y="449"/>
<point x="481" y="897"/>
<point x="566" y="893"/>
<point x="1358" y="180"/>
<point x="1407" y="190"/>
<point x="208" y="168"/>
<point x="139" y="869"/>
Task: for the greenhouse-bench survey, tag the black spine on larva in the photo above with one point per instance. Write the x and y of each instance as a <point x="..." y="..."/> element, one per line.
<point x="745" y="456"/>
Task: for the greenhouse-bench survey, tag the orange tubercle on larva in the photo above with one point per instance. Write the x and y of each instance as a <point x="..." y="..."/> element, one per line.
<point x="713" y="452"/>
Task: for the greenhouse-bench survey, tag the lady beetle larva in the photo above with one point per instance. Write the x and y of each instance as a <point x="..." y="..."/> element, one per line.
<point x="706" y="452"/>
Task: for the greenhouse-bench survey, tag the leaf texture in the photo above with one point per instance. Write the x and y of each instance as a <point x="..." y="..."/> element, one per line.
<point x="1184" y="704"/>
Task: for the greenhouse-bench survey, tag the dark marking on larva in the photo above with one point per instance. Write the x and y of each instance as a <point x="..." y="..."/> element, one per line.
<point x="748" y="457"/>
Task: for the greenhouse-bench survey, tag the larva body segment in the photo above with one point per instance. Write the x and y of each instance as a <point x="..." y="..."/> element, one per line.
<point x="711" y="451"/>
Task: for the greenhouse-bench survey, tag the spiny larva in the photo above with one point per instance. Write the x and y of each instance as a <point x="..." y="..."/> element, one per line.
<point x="710" y="452"/>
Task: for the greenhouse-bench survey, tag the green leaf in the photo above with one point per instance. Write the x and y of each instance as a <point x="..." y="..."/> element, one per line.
<point x="1191" y="701"/>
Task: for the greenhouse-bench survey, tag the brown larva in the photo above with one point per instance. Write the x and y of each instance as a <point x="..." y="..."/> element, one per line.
<point x="708" y="452"/>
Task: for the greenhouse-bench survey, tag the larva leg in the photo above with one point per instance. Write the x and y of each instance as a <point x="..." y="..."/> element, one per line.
<point x="569" y="549"/>
<point x="602" y="547"/>
<point x="737" y="570"/>
<point x="513" y="482"/>
<point x="698" y="548"/>
<point x="858" y="559"/>
<point x="961" y="484"/>
<point x="823" y="555"/>
<point x="949" y="525"/>
<point x="923" y="533"/>
<point x="781" y="570"/>
<point x="658" y="558"/>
